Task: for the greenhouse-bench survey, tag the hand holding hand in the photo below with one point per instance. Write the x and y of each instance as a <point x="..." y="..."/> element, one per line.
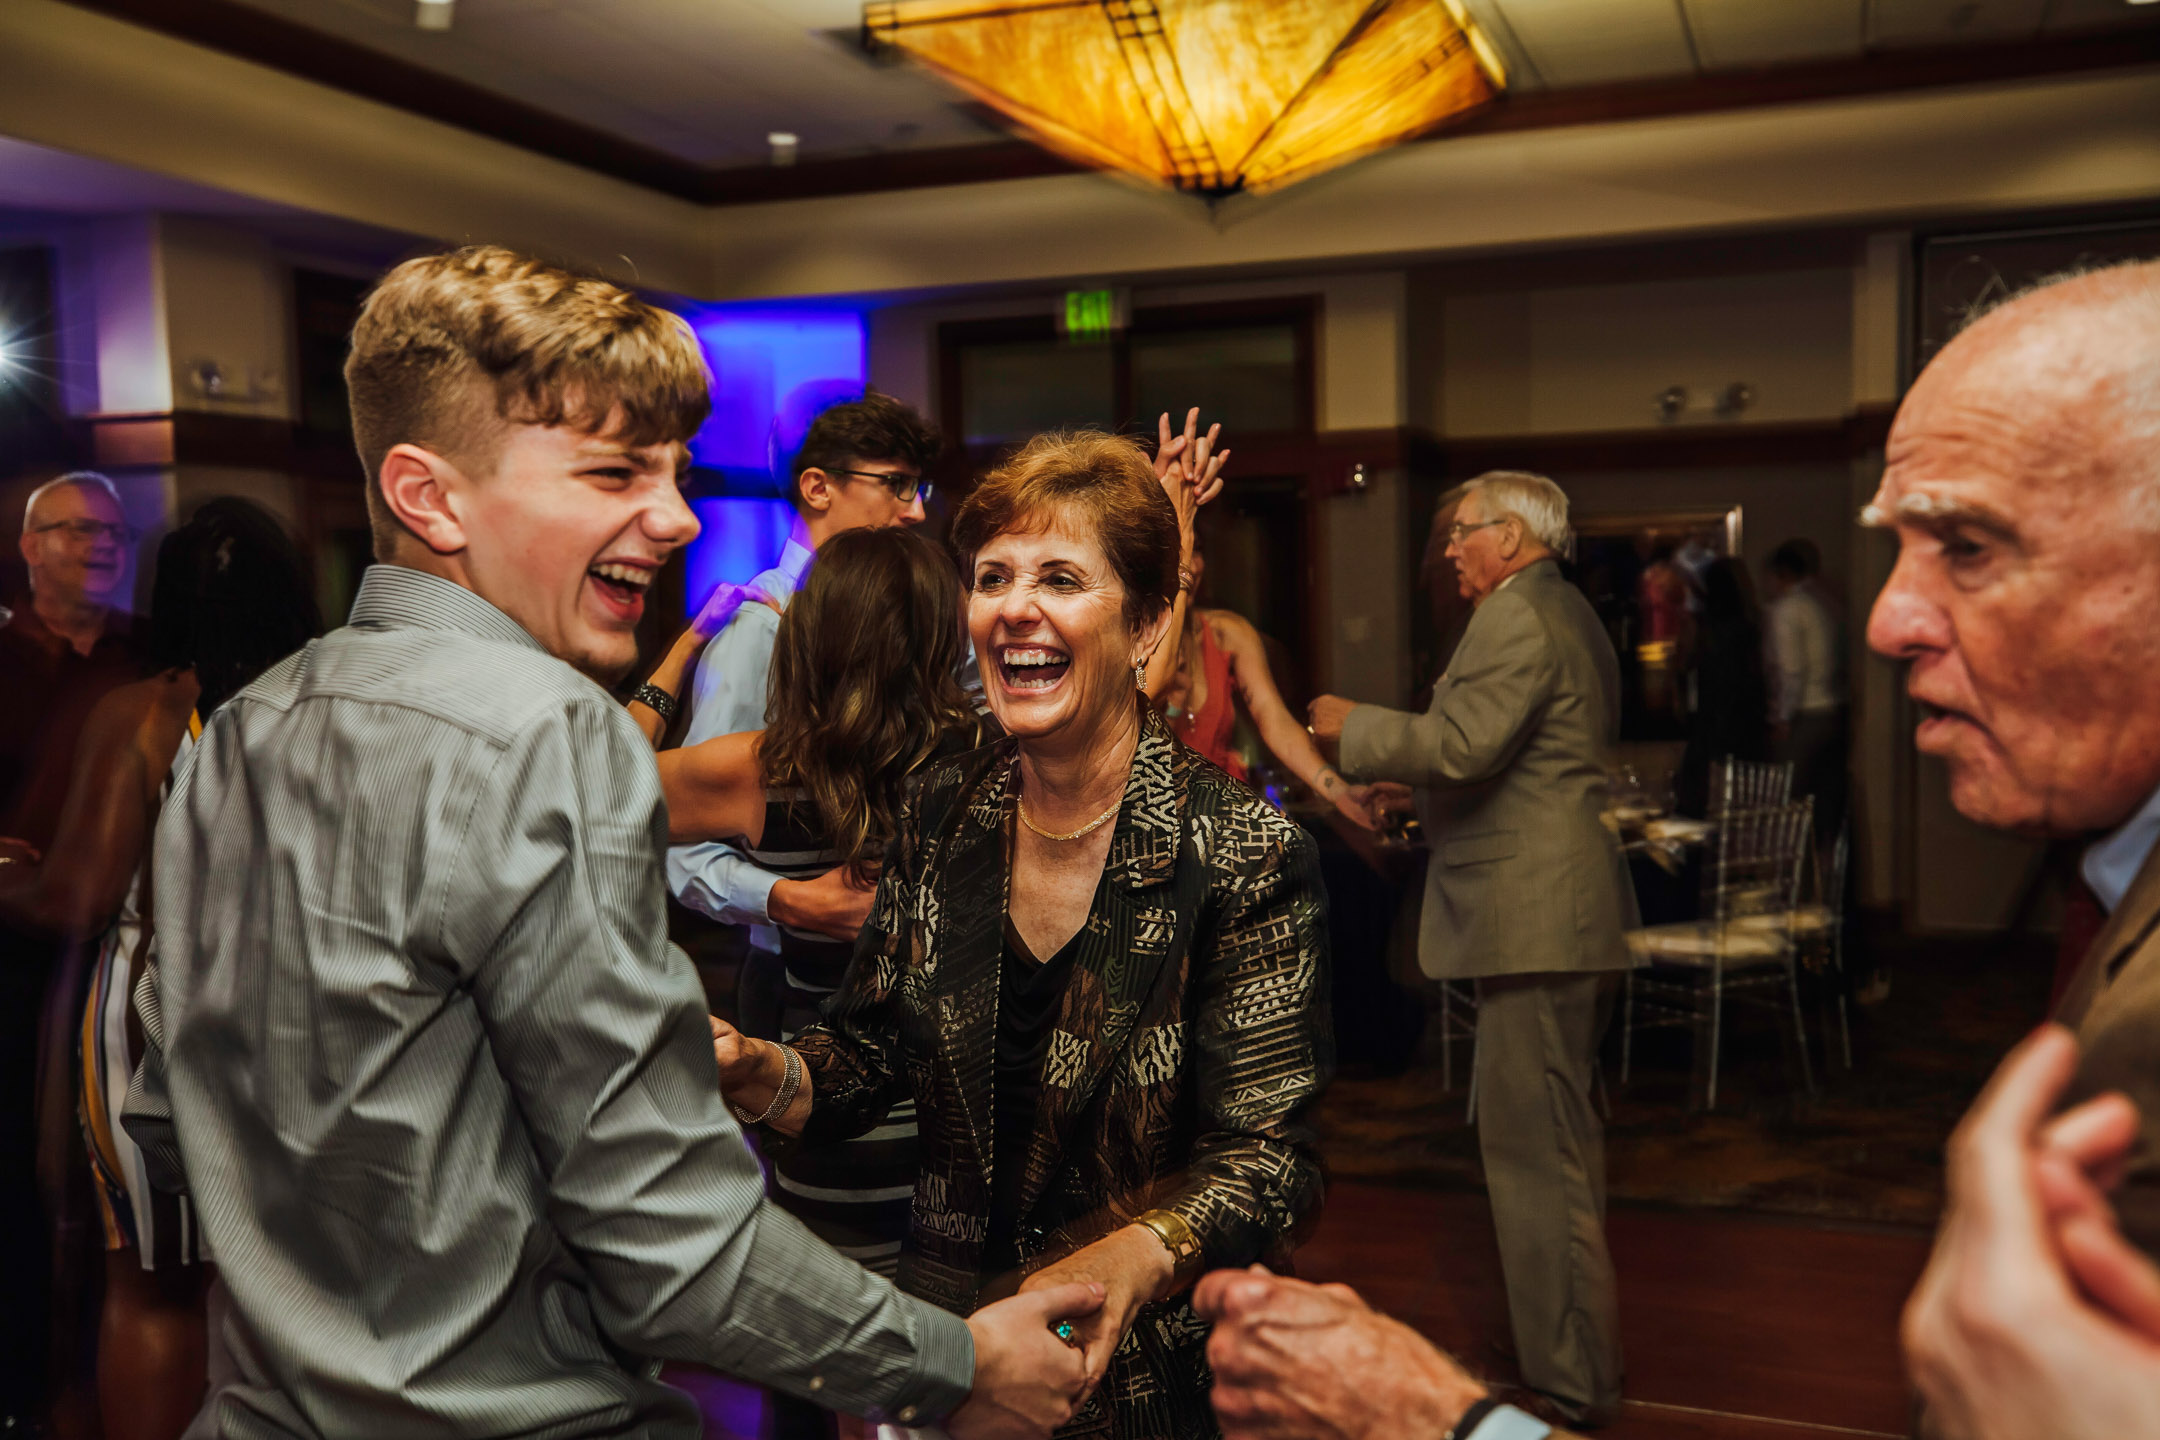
<point x="1027" y="1381"/>
<point x="834" y="903"/>
<point x="1295" y="1361"/>
<point x="1997" y="1334"/>
<point x="743" y="1061"/>
<point x="1131" y="1267"/>
<point x="1324" y="717"/>
<point x="1356" y="804"/>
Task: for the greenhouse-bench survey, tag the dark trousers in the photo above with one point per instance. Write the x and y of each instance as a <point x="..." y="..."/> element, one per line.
<point x="25" y="1236"/>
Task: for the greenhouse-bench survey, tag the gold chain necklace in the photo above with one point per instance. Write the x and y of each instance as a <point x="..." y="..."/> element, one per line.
<point x="1088" y="829"/>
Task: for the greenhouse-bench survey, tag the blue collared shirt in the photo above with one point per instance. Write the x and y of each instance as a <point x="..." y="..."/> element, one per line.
<point x="727" y="696"/>
<point x="2111" y="864"/>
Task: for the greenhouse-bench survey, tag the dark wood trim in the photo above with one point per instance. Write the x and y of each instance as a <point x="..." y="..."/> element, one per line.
<point x="1678" y="448"/>
<point x="1300" y="312"/>
<point x="241" y="30"/>
<point x="158" y="439"/>
<point x="1876" y="73"/>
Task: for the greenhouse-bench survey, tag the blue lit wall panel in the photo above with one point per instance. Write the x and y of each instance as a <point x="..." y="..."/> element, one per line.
<point x="774" y="368"/>
<point x="742" y="536"/>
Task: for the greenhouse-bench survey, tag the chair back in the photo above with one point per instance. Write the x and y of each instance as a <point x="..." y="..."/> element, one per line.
<point x="1759" y="862"/>
<point x="1748" y="784"/>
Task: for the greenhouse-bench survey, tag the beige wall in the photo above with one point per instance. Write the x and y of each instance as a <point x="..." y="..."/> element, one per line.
<point x="1595" y="357"/>
<point x="228" y="300"/>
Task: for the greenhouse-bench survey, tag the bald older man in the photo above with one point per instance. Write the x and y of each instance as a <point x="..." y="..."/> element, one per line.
<point x="2023" y="485"/>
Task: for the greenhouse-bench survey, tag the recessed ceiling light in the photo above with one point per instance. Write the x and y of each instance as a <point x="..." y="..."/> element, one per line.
<point x="433" y="14"/>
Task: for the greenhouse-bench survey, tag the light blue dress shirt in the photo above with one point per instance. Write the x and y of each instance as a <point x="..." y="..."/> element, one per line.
<point x="727" y="696"/>
<point x="2113" y="863"/>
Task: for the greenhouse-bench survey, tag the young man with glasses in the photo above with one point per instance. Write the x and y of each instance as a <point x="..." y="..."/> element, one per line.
<point x="859" y="467"/>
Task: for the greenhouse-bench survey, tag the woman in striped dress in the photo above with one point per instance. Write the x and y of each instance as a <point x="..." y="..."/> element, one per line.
<point x="862" y="695"/>
<point x="231" y="598"/>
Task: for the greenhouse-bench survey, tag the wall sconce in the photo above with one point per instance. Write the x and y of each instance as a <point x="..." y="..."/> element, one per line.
<point x="1672" y="402"/>
<point x="1735" y="398"/>
<point x="207" y="379"/>
<point x="1358" y="481"/>
<point x="785" y="145"/>
<point x="433" y="14"/>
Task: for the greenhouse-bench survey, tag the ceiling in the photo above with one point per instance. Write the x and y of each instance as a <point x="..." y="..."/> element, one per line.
<point x="666" y="91"/>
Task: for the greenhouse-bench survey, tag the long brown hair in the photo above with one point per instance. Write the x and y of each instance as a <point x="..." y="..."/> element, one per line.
<point x="862" y="688"/>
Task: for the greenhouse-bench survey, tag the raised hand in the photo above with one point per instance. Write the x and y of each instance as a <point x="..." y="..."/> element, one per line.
<point x="2017" y="1328"/>
<point x="1027" y="1381"/>
<point x="1188" y="464"/>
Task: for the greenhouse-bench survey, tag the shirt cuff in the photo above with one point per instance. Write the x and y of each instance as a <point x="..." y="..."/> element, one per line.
<point x="1508" y="1423"/>
<point x="944" y="1369"/>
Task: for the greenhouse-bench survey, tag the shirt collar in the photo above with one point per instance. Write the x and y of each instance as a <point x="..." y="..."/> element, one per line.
<point x="2111" y="865"/>
<point x="397" y="597"/>
<point x="795" y="558"/>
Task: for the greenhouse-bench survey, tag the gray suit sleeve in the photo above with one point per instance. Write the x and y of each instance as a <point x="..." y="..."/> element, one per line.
<point x="555" y="916"/>
<point x="1482" y="710"/>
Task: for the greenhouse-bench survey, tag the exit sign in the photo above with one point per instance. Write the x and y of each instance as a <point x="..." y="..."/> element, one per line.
<point x="1092" y="314"/>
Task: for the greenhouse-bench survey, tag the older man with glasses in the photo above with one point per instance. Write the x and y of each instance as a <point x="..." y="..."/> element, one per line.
<point x="1528" y="896"/>
<point x="64" y="646"/>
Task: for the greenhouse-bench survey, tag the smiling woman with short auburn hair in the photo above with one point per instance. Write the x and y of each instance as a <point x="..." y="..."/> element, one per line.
<point x="1096" y="963"/>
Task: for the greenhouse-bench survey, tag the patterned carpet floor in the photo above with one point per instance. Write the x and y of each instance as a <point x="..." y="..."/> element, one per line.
<point x="1867" y="1147"/>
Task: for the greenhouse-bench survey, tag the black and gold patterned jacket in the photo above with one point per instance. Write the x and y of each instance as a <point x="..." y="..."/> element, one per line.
<point x="1193" y="1036"/>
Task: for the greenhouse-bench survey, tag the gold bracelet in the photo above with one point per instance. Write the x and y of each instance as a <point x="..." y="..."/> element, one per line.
<point x="1177" y="1237"/>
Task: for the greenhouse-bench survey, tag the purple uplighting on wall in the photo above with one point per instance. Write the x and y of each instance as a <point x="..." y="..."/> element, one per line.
<point x="774" y="368"/>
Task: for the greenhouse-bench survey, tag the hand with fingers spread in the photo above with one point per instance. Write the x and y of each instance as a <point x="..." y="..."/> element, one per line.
<point x="1296" y="1361"/>
<point x="1189" y="466"/>
<point x="2035" y="1317"/>
<point x="1027" y="1381"/>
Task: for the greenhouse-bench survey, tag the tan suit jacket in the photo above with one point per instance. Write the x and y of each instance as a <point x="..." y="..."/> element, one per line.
<point x="1509" y="761"/>
<point x="2113" y="1004"/>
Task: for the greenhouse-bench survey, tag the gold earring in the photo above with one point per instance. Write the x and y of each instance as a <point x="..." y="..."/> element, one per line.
<point x="1139" y="674"/>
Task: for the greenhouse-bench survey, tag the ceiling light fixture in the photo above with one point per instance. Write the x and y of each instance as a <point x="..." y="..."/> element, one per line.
<point x="1211" y="96"/>
<point x="433" y="14"/>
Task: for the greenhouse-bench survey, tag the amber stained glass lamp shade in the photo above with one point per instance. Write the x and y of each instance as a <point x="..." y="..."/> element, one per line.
<point x="1211" y="96"/>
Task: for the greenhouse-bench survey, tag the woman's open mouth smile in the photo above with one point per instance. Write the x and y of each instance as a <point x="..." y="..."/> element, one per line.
<point x="1032" y="669"/>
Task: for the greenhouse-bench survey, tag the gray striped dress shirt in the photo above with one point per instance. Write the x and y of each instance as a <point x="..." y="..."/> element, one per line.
<point x="443" y="1095"/>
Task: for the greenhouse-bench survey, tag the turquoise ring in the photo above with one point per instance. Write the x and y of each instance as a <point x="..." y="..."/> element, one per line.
<point x="1064" y="1331"/>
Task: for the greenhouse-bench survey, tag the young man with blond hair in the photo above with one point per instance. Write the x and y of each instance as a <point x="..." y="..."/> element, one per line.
<point x="418" y="1046"/>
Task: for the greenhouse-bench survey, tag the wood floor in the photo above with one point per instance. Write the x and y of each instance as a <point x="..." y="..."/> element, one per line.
<point x="1735" y="1327"/>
